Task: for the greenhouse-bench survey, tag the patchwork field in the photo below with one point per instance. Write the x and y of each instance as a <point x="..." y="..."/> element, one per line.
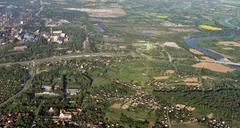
<point x="214" y="67"/>
<point x="112" y="12"/>
<point x="193" y="81"/>
<point x="229" y="43"/>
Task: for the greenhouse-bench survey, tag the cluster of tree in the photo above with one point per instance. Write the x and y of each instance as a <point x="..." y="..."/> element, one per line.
<point x="12" y="80"/>
<point x="222" y="102"/>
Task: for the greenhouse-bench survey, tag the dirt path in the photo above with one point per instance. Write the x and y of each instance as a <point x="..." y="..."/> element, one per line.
<point x="170" y="58"/>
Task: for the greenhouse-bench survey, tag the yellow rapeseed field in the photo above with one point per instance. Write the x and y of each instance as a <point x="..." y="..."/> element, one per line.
<point x="211" y="28"/>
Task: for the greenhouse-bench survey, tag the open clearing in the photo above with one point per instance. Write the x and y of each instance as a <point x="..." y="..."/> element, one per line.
<point x="229" y="43"/>
<point x="112" y="12"/>
<point x="213" y="67"/>
<point x="171" y="44"/>
<point x="122" y="105"/>
<point x="161" y="77"/>
<point x="116" y="106"/>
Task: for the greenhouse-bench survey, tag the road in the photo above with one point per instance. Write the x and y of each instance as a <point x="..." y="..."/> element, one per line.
<point x="67" y="57"/>
<point x="40" y="9"/>
<point x="86" y="42"/>
<point x="170" y="59"/>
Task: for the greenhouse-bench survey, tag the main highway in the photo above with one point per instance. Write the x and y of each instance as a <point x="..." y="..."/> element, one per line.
<point x="68" y="57"/>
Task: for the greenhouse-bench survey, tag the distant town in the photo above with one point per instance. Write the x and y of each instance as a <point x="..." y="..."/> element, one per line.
<point x="120" y="64"/>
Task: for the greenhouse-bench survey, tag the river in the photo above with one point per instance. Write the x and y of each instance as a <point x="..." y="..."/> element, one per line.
<point x="193" y="42"/>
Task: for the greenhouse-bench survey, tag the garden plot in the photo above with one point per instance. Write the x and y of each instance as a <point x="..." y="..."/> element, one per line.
<point x="193" y="81"/>
<point x="165" y="76"/>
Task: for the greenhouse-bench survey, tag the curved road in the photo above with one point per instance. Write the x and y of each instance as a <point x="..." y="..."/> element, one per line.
<point x="68" y="57"/>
